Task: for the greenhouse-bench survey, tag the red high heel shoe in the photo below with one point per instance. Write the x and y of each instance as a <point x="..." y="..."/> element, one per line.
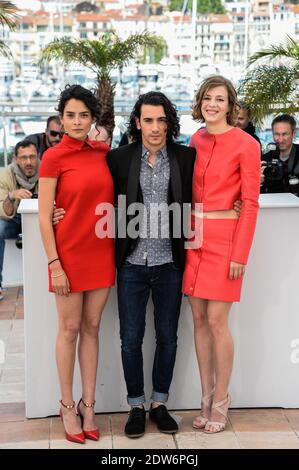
<point x="78" y="438"/>
<point x="94" y="434"/>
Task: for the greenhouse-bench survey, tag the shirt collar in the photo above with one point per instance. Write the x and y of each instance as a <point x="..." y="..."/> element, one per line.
<point x="75" y="143"/>
<point x="145" y="152"/>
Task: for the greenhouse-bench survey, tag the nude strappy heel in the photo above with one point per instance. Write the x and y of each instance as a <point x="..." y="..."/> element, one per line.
<point x="200" y="421"/>
<point x="222" y="407"/>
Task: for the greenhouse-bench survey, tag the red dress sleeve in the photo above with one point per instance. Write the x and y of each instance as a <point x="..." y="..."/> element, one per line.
<point x="50" y="167"/>
<point x="250" y="189"/>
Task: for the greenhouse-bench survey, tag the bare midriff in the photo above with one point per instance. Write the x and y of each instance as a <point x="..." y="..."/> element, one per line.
<point x="225" y="214"/>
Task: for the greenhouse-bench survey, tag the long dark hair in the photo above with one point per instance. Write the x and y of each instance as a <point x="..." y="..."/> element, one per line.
<point x="155" y="98"/>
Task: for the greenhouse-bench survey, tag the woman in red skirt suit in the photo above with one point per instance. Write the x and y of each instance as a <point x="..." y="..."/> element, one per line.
<point x="227" y="169"/>
<point x="75" y="175"/>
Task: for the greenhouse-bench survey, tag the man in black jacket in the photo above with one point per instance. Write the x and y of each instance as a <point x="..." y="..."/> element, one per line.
<point x="244" y="121"/>
<point x="283" y="173"/>
<point x="153" y="170"/>
<point x="52" y="135"/>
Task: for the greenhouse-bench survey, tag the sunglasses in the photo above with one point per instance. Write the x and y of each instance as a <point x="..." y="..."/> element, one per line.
<point x="56" y="133"/>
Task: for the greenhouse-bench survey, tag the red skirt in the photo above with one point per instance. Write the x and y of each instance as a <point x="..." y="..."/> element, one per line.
<point x="206" y="272"/>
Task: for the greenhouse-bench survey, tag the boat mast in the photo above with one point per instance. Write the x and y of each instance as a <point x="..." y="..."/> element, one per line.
<point x="193" y="45"/>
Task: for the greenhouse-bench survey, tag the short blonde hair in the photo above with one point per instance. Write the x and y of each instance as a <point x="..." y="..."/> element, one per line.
<point x="208" y="84"/>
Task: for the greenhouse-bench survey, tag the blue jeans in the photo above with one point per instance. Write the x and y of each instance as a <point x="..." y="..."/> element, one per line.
<point x="9" y="228"/>
<point x="134" y="285"/>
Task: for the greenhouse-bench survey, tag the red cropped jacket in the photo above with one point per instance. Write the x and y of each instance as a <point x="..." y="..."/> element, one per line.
<point x="227" y="168"/>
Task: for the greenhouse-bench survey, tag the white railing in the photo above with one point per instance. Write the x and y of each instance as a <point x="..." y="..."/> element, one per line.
<point x="9" y="117"/>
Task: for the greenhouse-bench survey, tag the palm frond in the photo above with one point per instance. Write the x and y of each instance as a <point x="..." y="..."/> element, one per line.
<point x="121" y="52"/>
<point x="290" y="50"/>
<point x="4" y="50"/>
<point x="8" y="15"/>
<point x="69" y="52"/>
<point x="99" y="55"/>
<point x="268" y="87"/>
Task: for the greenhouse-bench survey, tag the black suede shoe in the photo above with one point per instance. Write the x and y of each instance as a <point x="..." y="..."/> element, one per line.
<point x="135" y="426"/>
<point x="163" y="420"/>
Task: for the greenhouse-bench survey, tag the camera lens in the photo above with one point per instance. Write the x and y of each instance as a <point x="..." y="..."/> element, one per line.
<point x="19" y="241"/>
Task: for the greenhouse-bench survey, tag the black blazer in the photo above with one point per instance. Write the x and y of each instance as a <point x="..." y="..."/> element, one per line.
<point x="124" y="164"/>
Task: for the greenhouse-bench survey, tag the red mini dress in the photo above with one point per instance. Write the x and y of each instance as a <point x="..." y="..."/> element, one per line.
<point x="227" y="168"/>
<point x="83" y="182"/>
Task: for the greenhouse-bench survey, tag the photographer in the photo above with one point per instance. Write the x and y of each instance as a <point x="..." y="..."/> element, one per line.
<point x="52" y="135"/>
<point x="19" y="180"/>
<point x="280" y="165"/>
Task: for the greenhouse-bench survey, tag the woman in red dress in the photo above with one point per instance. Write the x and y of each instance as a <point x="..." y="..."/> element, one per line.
<point x="227" y="169"/>
<point x="75" y="175"/>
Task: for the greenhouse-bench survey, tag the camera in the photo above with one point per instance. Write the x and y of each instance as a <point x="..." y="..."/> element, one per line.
<point x="19" y="241"/>
<point x="274" y="170"/>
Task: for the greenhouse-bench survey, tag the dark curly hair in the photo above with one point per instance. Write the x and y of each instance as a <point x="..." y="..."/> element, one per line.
<point x="155" y="98"/>
<point x="80" y="93"/>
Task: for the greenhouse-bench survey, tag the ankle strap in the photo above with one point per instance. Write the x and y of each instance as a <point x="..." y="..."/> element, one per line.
<point x="69" y="407"/>
<point x="219" y="405"/>
<point x="88" y="405"/>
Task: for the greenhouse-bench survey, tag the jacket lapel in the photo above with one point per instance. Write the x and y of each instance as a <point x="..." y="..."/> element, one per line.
<point x="134" y="175"/>
<point x="175" y="175"/>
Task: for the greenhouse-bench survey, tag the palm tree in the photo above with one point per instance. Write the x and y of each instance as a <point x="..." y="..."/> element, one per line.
<point x="8" y="17"/>
<point x="273" y="87"/>
<point x="101" y="56"/>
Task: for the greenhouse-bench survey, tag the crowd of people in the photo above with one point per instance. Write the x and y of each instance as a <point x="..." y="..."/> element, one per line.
<point x="220" y="175"/>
